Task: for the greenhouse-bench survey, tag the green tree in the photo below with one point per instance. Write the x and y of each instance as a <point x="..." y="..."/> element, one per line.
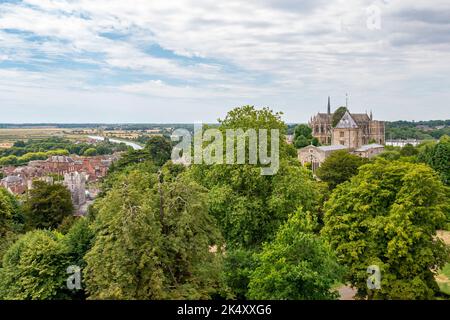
<point x="19" y="144"/>
<point x="248" y="117"/>
<point x="250" y="207"/>
<point x="390" y="155"/>
<point x="34" y="268"/>
<point x="408" y="150"/>
<point x="303" y="130"/>
<point x="303" y="136"/>
<point x="437" y="156"/>
<point x="10" y="220"/>
<point x="297" y="265"/>
<point x="8" y="209"/>
<point x="153" y="240"/>
<point x="387" y="215"/>
<point x="339" y="167"/>
<point x="337" y="116"/>
<point x="90" y="152"/>
<point x="79" y="240"/>
<point x="159" y="149"/>
<point x="238" y="266"/>
<point x="170" y="171"/>
<point x="301" y="142"/>
<point x="47" y="205"/>
<point x="8" y="161"/>
<point x="315" y="142"/>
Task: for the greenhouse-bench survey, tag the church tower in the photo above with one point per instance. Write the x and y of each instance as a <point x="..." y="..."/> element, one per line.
<point x="329" y="106"/>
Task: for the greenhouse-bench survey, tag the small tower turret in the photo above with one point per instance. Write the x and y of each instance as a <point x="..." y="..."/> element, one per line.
<point x="329" y="106"/>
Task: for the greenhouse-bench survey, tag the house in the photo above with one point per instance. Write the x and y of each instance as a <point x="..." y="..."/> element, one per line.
<point x="317" y="155"/>
<point x="369" y="150"/>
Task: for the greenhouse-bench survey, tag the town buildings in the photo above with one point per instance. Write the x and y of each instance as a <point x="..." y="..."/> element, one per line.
<point x="74" y="172"/>
<point x="88" y="169"/>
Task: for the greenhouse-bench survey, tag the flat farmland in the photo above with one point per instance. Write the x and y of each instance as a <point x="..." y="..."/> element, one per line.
<point x="12" y="135"/>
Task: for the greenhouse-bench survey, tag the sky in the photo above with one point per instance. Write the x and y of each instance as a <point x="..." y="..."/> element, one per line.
<point x="151" y="61"/>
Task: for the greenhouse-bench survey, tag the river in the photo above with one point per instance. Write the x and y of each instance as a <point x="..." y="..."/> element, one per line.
<point x="135" y="146"/>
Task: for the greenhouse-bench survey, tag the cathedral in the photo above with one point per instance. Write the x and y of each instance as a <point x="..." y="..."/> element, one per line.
<point x="352" y="131"/>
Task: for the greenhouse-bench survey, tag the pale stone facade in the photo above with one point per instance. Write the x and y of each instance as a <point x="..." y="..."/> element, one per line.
<point x="316" y="155"/>
<point x="369" y="151"/>
<point x="353" y="130"/>
<point x="76" y="183"/>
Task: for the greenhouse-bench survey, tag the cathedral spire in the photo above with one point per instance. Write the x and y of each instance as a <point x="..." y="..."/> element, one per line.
<point x="371" y="115"/>
<point x="329" y="105"/>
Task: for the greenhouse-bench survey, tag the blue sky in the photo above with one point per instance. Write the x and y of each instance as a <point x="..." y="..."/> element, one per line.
<point x="193" y="60"/>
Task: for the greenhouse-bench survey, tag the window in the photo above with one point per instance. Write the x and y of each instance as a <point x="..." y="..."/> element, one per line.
<point x="342" y="133"/>
<point x="342" y="142"/>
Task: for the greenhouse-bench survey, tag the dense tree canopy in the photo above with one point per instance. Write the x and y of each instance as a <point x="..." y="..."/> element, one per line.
<point x="249" y="207"/>
<point x="90" y="152"/>
<point x="8" y="210"/>
<point x="297" y="265"/>
<point x="34" y="267"/>
<point x="160" y="230"/>
<point x="23" y="152"/>
<point x="303" y="136"/>
<point x="156" y="151"/>
<point x="413" y="130"/>
<point x="47" y="205"/>
<point x="159" y="149"/>
<point x="408" y="150"/>
<point x="11" y="220"/>
<point x="387" y="216"/>
<point x="153" y="240"/>
<point x="339" y="167"/>
<point x="437" y="156"/>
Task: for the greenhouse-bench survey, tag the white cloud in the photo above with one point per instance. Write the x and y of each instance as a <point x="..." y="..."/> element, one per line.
<point x="289" y="53"/>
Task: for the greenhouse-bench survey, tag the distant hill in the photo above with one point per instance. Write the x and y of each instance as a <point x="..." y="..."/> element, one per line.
<point x="421" y="130"/>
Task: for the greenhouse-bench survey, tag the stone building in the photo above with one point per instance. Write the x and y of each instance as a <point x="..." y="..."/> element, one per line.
<point x="76" y="183"/>
<point x="321" y="125"/>
<point x="353" y="130"/>
<point x="369" y="150"/>
<point x="317" y="155"/>
<point x="14" y="184"/>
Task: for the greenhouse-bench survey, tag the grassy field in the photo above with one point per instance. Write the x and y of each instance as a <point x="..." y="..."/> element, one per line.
<point x="12" y="135"/>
